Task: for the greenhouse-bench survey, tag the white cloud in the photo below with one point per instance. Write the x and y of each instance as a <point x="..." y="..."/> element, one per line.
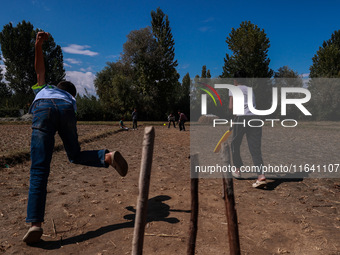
<point x="41" y="5"/>
<point x="207" y="20"/>
<point x="3" y="69"/>
<point x="67" y="65"/>
<point x="113" y="56"/>
<point x="73" y="61"/>
<point x="305" y="82"/>
<point x="82" y="81"/>
<point x="88" y="69"/>
<point x="204" y="28"/>
<point x="185" y="66"/>
<point x="305" y="79"/>
<point x="79" y="49"/>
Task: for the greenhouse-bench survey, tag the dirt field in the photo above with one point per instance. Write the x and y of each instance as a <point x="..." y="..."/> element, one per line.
<point x="91" y="210"/>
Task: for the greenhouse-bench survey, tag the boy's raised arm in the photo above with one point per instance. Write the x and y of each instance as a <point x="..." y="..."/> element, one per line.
<point x="39" y="64"/>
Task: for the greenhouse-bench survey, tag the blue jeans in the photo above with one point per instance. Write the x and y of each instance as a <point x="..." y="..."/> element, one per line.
<point x="50" y="116"/>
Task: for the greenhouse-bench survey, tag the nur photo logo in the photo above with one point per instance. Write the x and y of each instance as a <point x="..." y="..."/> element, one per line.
<point x="279" y="99"/>
<point x="204" y="97"/>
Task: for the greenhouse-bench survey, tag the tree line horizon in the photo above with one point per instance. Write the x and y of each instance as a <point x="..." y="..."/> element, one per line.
<point x="145" y="76"/>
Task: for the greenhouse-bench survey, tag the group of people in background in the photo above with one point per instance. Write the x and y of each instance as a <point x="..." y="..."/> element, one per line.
<point x="134" y="121"/>
<point x="181" y="120"/>
<point x="171" y="119"/>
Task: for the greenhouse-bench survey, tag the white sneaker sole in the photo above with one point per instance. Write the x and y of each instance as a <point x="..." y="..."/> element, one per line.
<point x="259" y="184"/>
<point x="33" y="235"/>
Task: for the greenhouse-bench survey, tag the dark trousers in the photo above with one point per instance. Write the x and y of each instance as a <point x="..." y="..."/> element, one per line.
<point x="134" y="123"/>
<point x="172" y="122"/>
<point x="181" y="125"/>
<point x="254" y="136"/>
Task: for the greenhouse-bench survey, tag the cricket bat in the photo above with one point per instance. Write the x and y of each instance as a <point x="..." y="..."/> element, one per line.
<point x="223" y="139"/>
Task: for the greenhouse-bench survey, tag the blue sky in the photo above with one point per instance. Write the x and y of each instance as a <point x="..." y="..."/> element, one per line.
<point x="92" y="33"/>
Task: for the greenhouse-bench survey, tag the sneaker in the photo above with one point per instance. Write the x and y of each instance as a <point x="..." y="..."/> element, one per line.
<point x="236" y="174"/>
<point x="119" y="163"/>
<point x="259" y="184"/>
<point x="33" y="235"/>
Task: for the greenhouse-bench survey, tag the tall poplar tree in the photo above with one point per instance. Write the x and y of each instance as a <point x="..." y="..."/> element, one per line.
<point x="165" y="71"/>
<point x="208" y="74"/>
<point x="184" y="95"/>
<point x="204" y="72"/>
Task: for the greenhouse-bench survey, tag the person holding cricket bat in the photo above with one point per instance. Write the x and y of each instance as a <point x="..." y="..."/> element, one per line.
<point x="253" y="134"/>
<point x="54" y="110"/>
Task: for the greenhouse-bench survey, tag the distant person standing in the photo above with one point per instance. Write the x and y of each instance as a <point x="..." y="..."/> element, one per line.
<point x="134" y="119"/>
<point x="182" y="119"/>
<point x="171" y="118"/>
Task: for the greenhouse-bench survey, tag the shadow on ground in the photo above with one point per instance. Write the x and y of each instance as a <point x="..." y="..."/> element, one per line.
<point x="157" y="211"/>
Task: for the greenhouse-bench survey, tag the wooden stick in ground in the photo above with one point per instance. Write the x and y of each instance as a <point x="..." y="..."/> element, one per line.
<point x="144" y="183"/>
<point x="228" y="186"/>
<point x="54" y="228"/>
<point x="194" y="207"/>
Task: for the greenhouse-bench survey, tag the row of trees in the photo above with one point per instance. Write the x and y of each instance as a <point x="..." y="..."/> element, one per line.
<point x="145" y="76"/>
<point x="249" y="47"/>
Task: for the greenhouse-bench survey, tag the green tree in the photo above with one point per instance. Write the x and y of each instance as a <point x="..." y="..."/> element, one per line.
<point x="140" y="54"/>
<point x="286" y="72"/>
<point x="208" y="74"/>
<point x="115" y="87"/>
<point x="90" y="108"/>
<point x="325" y="102"/>
<point x="145" y="77"/>
<point x="249" y="46"/>
<point x="132" y="81"/>
<point x="165" y="71"/>
<point x="184" y="95"/>
<point x="17" y="46"/>
<point x="326" y="61"/>
<point x="204" y="72"/>
<point x="287" y="77"/>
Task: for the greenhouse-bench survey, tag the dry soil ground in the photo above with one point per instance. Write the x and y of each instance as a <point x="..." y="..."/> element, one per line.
<point x="91" y="210"/>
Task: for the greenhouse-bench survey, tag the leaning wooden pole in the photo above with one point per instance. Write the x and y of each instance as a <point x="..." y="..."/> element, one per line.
<point x="144" y="183"/>
<point x="229" y="200"/>
<point x="194" y="207"/>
